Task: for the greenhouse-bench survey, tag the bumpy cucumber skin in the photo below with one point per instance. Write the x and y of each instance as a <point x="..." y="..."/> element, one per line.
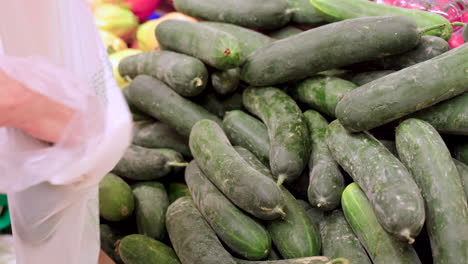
<point x="244" y="186"/>
<point x="369" y="76"/>
<point x="154" y="134"/>
<point x="151" y="204"/>
<point x="238" y="231"/>
<point x="336" y="10"/>
<point x="425" y="154"/>
<point x="139" y="163"/>
<point x="322" y="92"/>
<point x="212" y="46"/>
<point x="248" y="132"/>
<point x="225" y="82"/>
<point x="251" y="14"/>
<point x="116" y="200"/>
<point x="188" y="76"/>
<point x="463" y="171"/>
<point x="339" y="241"/>
<point x="326" y="183"/>
<point x="287" y="131"/>
<point x="310" y="52"/>
<point x="308" y="260"/>
<point x="140" y="249"/>
<point x="382" y="177"/>
<point x="156" y="99"/>
<point x="192" y="237"/>
<point x="304" y="13"/>
<point x="285" y="32"/>
<point x="381" y="246"/>
<point x="448" y="117"/>
<point x="405" y="92"/>
<point x="175" y="190"/>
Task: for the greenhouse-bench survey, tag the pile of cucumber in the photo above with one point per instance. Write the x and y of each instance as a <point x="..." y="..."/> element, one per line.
<point x="293" y="132"/>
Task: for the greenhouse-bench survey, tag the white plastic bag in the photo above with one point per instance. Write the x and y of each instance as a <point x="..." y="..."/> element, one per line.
<point x="52" y="190"/>
<point x="7" y="252"/>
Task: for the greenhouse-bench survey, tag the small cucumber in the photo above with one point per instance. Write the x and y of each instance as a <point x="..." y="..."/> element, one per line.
<point x="225" y="82"/>
<point x="238" y="231"/>
<point x="212" y="46"/>
<point x="219" y="105"/>
<point x="175" y="190"/>
<point x="463" y="171"/>
<point x="139" y="163"/>
<point x="308" y="260"/>
<point x="326" y="183"/>
<point x="154" y="134"/>
<point x="339" y="241"/>
<point x="186" y="75"/>
<point x="116" y="200"/>
<point x="151" y="204"/>
<point x="244" y="186"/>
<point x="288" y="134"/>
<point x="140" y="249"/>
<point x="321" y="92"/>
<point x="461" y="151"/>
<point x="248" y="132"/>
<point x="369" y="76"/>
<point x="285" y="32"/>
<point x="382" y="177"/>
<point x="382" y="247"/>
<point x="304" y="13"/>
<point x="192" y="237"/>
<point x="425" y="154"/>
<point x="156" y="99"/>
<point x="252" y="14"/>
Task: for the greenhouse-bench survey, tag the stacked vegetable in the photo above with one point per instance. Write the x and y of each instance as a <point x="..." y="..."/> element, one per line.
<point x="258" y="142"/>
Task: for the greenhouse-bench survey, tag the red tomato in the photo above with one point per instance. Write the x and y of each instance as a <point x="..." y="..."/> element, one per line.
<point x="143" y="8"/>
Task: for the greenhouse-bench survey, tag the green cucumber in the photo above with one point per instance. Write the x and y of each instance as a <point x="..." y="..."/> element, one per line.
<point x="315" y="215"/>
<point x="441" y="186"/>
<point x="304" y="13"/>
<point x="382" y="177"/>
<point x="151" y="204"/>
<point x="308" y="260"/>
<point x="140" y="249"/>
<point x="310" y="52"/>
<point x="382" y="247"/>
<point x="245" y="130"/>
<point x="288" y="134"/>
<point x="212" y="46"/>
<point x="285" y="32"/>
<point x="321" y="92"/>
<point x="362" y="78"/>
<point x="139" y="163"/>
<point x="448" y="117"/>
<point x="326" y="183"/>
<point x="192" y="237"/>
<point x="137" y="115"/>
<point x="225" y="82"/>
<point x="220" y="105"/>
<point x="463" y="171"/>
<point x="153" y="134"/>
<point x="156" y="99"/>
<point x="244" y="186"/>
<point x="239" y="232"/>
<point x="116" y="201"/>
<point x="419" y="86"/>
<point x="339" y="241"/>
<point x="175" y="190"/>
<point x="461" y="151"/>
<point x="253" y="161"/>
<point x="336" y="10"/>
<point x="252" y="14"/>
<point x="186" y="75"/>
<point x="109" y="237"/>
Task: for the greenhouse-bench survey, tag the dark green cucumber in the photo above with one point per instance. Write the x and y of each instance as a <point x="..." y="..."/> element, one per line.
<point x="188" y="76"/>
<point x="246" y="187"/>
<point x="253" y="161"/>
<point x="156" y="99"/>
<point x="285" y="32"/>
<point x="116" y="200"/>
<point x="326" y="183"/>
<point x="382" y="177"/>
<point x="463" y="171"/>
<point x="382" y="247"/>
<point x="220" y="105"/>
<point x="153" y="134"/>
<point x="247" y="131"/>
<point x="176" y="190"/>
<point x="252" y="14"/>
<point x="151" y="204"/>
<point x="369" y="76"/>
<point x="339" y="241"/>
<point x="310" y="52"/>
<point x="425" y="154"/>
<point x="192" y="237"/>
<point x="212" y="46"/>
<point x="288" y="134"/>
<point x="225" y="82"/>
<point x="448" y="117"/>
<point x="336" y="10"/>
<point x="315" y="215"/>
<point x="140" y="249"/>
<point x="137" y="115"/>
<point x="304" y="13"/>
<point x="109" y="237"/>
<point x="239" y="232"/>
<point x="139" y="163"/>
<point x="406" y="91"/>
<point x="308" y="260"/>
<point x="321" y="92"/>
<point x="461" y="151"/>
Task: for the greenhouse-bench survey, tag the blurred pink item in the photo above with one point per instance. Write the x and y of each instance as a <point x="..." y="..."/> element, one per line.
<point x="143" y="8"/>
<point x="456" y="39"/>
